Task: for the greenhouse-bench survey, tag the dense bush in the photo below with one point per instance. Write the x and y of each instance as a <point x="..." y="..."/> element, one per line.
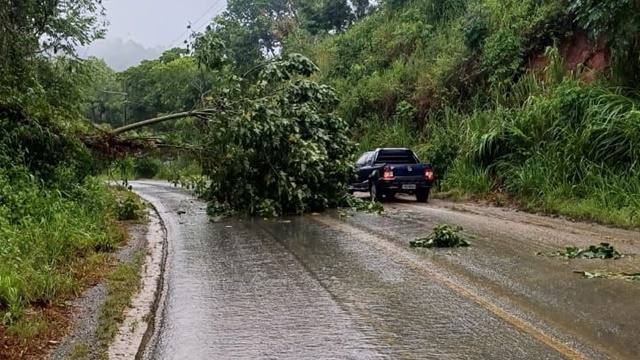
<point x="572" y="148"/>
<point x="147" y="167"/>
<point x="279" y="146"/>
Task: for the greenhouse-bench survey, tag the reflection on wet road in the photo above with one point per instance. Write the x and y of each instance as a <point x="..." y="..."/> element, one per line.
<point x="319" y="287"/>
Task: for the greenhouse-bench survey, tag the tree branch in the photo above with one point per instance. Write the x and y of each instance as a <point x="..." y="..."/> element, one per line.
<point x="182" y="115"/>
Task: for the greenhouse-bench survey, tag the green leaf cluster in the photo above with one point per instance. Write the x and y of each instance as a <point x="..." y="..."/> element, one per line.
<point x="602" y="251"/>
<point x="609" y="275"/>
<point x="443" y="236"/>
<point x="278" y="146"/>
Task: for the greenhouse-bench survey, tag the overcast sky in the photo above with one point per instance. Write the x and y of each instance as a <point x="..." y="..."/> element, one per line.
<point x="158" y="22"/>
<point x="143" y="29"/>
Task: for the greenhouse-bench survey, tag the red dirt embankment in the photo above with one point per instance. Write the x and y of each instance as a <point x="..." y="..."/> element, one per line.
<point x="578" y="52"/>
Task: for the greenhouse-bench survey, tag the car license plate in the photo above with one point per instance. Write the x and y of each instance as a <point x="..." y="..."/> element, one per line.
<point x="409" y="187"/>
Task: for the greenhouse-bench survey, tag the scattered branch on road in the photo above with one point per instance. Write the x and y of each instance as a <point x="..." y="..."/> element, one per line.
<point x="442" y="236"/>
<point x="603" y="251"/>
<point x="365" y="206"/>
<point x="609" y="275"/>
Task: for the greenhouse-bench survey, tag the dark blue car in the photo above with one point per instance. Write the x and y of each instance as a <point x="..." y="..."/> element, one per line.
<point x="389" y="171"/>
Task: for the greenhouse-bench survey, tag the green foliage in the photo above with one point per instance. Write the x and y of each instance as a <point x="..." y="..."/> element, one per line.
<point x="32" y="28"/>
<point x="180" y="167"/>
<point x="602" y="251"/>
<point x="365" y="206"/>
<point x="129" y="207"/>
<point x="45" y="146"/>
<point x="443" y="236"/>
<point x="325" y="15"/>
<point x="475" y="31"/>
<point x="147" y="167"/>
<point x="279" y="147"/>
<point x="43" y="231"/>
<point x="570" y="148"/>
<point x="619" y="22"/>
<point x="502" y="56"/>
<point x="609" y="275"/>
<point x="172" y="83"/>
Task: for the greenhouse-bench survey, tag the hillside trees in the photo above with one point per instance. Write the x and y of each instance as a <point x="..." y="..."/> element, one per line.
<point x="54" y="218"/>
<point x="505" y="97"/>
<point x="253" y="31"/>
<point x="40" y="82"/>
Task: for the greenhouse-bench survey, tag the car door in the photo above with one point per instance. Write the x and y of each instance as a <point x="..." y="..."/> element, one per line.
<point x="364" y="167"/>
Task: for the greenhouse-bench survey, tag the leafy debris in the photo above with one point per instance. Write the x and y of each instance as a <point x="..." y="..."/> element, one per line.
<point x="442" y="236"/>
<point x="603" y="251"/>
<point x="365" y="206"/>
<point x="609" y="275"/>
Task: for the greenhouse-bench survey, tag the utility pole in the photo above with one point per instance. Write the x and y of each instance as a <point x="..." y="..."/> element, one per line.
<point x="124" y="105"/>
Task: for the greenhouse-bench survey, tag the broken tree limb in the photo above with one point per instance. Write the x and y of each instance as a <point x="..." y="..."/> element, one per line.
<point x="182" y="115"/>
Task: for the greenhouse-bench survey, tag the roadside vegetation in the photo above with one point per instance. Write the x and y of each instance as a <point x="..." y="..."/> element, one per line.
<point x="532" y="102"/>
<point x="122" y="283"/>
<point x="58" y="223"/>
<point x="527" y="102"/>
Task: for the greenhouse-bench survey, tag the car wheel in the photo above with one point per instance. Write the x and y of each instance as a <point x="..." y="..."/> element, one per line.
<point x="374" y="194"/>
<point x="422" y="195"/>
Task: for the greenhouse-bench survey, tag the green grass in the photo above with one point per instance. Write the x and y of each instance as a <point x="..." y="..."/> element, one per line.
<point x="28" y="329"/>
<point x="80" y="351"/>
<point x="44" y="231"/>
<point x="122" y="283"/>
<point x="570" y="149"/>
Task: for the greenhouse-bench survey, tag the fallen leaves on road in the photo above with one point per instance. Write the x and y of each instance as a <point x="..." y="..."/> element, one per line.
<point x="443" y="236"/>
<point x="360" y="205"/>
<point x="609" y="275"/>
<point x="603" y="251"/>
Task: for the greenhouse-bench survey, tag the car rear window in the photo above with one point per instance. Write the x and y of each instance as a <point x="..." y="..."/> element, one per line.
<point x="363" y="159"/>
<point x="396" y="157"/>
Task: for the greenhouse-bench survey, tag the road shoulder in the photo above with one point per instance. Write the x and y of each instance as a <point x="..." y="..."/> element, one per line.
<point x="98" y="313"/>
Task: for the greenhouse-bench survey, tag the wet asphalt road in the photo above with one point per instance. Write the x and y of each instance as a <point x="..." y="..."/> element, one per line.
<point x="331" y="287"/>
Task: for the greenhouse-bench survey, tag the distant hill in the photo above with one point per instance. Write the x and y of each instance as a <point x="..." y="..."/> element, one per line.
<point x="121" y="54"/>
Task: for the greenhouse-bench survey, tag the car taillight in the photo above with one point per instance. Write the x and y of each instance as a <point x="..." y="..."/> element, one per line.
<point x="428" y="174"/>
<point x="388" y="173"/>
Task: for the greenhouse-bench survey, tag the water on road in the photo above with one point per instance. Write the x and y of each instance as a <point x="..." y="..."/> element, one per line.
<point x="324" y="287"/>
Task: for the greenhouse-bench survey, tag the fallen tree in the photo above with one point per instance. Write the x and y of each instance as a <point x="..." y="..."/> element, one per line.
<point x="272" y="146"/>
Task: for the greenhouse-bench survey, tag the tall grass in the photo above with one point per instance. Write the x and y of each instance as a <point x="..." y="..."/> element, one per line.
<point x="395" y="133"/>
<point x="570" y="148"/>
<point x="44" y="233"/>
<point x="552" y="144"/>
<point x="485" y="118"/>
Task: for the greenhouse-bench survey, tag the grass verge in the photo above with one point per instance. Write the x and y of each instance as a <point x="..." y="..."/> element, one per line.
<point x="122" y="283"/>
<point x="54" y="243"/>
